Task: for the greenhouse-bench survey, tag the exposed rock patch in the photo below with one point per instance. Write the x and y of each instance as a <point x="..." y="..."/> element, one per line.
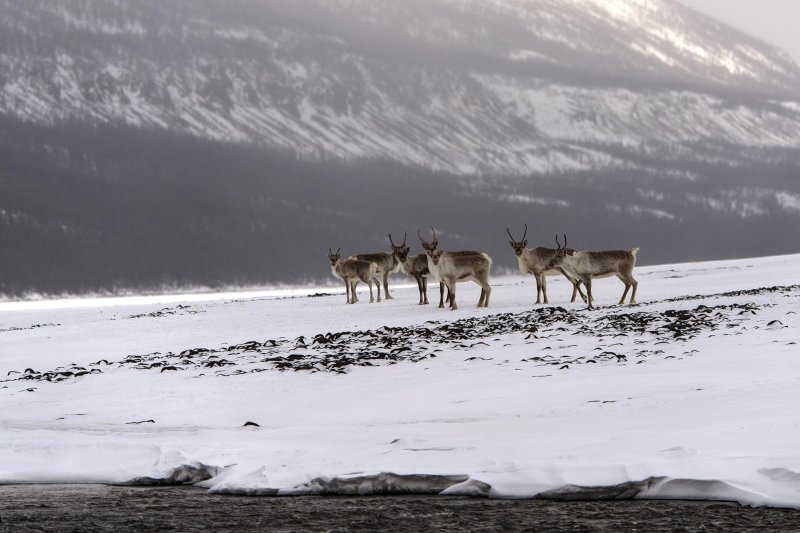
<point x="183" y="475"/>
<point x="545" y="329"/>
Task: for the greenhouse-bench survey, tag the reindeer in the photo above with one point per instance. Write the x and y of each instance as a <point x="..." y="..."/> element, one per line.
<point x="415" y="266"/>
<point x="449" y="268"/>
<point x="535" y="261"/>
<point x="351" y="271"/>
<point x="430" y="247"/>
<point x="588" y="265"/>
<point x="387" y="264"/>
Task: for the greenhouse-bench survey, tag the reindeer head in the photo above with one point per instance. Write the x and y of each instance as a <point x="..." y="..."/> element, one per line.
<point x="561" y="252"/>
<point x="334" y="257"/>
<point x="429" y="247"/>
<point x="402" y="250"/>
<point x="435" y="256"/>
<point x="518" y="246"/>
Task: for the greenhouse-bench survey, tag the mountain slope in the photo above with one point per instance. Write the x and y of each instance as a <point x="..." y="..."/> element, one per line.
<point x="148" y="144"/>
<point x="464" y="86"/>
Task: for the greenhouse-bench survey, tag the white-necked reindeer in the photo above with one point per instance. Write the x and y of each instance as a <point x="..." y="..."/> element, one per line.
<point x="387" y="264"/>
<point x="535" y="261"/>
<point x="430" y="247"/>
<point x="351" y="272"/>
<point x="415" y="266"/>
<point x="450" y="268"/>
<point x="588" y="265"/>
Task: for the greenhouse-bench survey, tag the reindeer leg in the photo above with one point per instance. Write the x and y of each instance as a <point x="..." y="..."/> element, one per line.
<point x="371" y="298"/>
<point x="624" y="293"/>
<point x="486" y="291"/>
<point x="353" y="291"/>
<point x="544" y="287"/>
<point x="452" y="287"/>
<point x="379" y="291"/>
<point x="635" y="285"/>
<point x="425" y="289"/>
<point x="588" y="283"/>
<point x="441" y="294"/>
<point x="386" y="286"/>
<point x="624" y="280"/>
<point x="576" y="289"/>
<point x="577" y="285"/>
<point x="538" y="289"/>
<point x="347" y="291"/>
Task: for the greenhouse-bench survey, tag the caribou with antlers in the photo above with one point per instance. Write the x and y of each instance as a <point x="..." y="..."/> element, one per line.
<point x="387" y="264"/>
<point x="586" y="266"/>
<point x="432" y="246"/>
<point x="415" y="266"/>
<point x="535" y="261"/>
<point x="450" y="268"/>
<point x="351" y="272"/>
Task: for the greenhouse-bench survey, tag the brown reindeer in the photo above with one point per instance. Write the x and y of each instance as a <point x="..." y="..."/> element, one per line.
<point x="415" y="266"/>
<point x="535" y="261"/>
<point x="387" y="264"/>
<point x="449" y="268"/>
<point x="586" y="266"/>
<point x="351" y="272"/>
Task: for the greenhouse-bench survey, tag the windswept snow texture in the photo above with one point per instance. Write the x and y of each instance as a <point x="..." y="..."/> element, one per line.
<point x="692" y="393"/>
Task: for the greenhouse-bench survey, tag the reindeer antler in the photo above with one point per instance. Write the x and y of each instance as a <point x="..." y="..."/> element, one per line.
<point x="509" y="234"/>
<point x="558" y="243"/>
<point x="391" y="241"/>
<point x="523" y="235"/>
<point x="405" y="233"/>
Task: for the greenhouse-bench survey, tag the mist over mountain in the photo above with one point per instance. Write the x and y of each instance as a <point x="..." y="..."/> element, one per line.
<point x="205" y="142"/>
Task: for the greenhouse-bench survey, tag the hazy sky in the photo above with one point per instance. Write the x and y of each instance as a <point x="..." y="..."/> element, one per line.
<point x="773" y="21"/>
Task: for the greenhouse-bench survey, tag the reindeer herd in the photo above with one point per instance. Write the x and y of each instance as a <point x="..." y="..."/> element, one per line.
<point x="451" y="268"/>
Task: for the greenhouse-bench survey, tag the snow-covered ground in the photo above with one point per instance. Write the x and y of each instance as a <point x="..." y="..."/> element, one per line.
<point x="685" y="397"/>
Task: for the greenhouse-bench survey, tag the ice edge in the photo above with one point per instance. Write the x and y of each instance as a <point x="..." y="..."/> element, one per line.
<point x="390" y="483"/>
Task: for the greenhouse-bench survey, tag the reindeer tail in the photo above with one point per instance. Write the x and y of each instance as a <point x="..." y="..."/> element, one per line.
<point x="634" y="251"/>
<point x="486" y="256"/>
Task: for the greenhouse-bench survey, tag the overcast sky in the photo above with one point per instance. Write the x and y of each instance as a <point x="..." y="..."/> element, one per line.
<point x="773" y="21"/>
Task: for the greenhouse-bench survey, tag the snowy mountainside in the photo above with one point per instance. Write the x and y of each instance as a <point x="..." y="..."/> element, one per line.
<point x="152" y="145"/>
<point x="640" y="38"/>
<point x="471" y="87"/>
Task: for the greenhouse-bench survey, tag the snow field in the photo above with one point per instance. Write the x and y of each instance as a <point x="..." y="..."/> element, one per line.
<point x="705" y="414"/>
